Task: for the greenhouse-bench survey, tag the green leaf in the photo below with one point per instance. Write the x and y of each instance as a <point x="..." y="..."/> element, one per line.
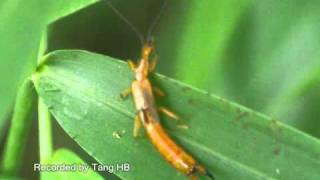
<point x="8" y="177"/>
<point x="19" y="129"/>
<point x="256" y="53"/>
<point x="21" y="26"/>
<point x="273" y="59"/>
<point x="60" y="9"/>
<point x="69" y="158"/>
<point x="262" y="54"/>
<point x="82" y="91"/>
<point x="200" y="32"/>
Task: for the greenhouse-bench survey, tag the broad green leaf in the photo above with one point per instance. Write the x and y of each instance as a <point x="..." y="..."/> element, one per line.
<point x="82" y="91"/>
<point x="69" y="158"/>
<point x="263" y="59"/>
<point x="21" y="26"/>
<point x="256" y="53"/>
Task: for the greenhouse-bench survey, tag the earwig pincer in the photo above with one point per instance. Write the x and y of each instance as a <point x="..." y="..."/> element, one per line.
<point x="147" y="111"/>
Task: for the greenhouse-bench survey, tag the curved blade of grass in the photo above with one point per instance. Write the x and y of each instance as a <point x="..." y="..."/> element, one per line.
<point x="19" y="129"/>
<point x="69" y="158"/>
<point x="60" y="9"/>
<point x="82" y="91"/>
<point x="21" y="26"/>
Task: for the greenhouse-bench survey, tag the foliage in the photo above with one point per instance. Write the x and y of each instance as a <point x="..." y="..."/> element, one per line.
<point x="260" y="54"/>
<point x="80" y="90"/>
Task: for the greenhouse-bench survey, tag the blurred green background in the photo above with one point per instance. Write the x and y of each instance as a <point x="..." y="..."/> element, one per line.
<point x="260" y="54"/>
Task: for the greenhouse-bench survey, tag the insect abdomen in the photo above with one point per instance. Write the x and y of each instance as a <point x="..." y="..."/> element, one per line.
<point x="169" y="149"/>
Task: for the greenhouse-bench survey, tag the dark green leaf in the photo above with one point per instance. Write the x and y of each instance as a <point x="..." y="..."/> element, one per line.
<point x="82" y="91"/>
<point x="21" y="25"/>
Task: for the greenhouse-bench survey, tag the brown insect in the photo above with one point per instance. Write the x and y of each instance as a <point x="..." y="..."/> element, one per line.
<point x="147" y="111"/>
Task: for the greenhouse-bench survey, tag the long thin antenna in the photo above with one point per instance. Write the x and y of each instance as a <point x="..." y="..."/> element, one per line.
<point x="155" y="21"/>
<point x="140" y="36"/>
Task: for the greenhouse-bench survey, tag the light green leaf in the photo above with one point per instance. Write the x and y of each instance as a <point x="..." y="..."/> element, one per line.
<point x="59" y="9"/>
<point x="19" y="129"/>
<point x="82" y="91"/>
<point x="21" y="26"/>
<point x="69" y="158"/>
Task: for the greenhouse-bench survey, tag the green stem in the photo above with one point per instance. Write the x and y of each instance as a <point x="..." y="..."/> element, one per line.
<point x="44" y="118"/>
<point x="45" y="135"/>
<point x="19" y="128"/>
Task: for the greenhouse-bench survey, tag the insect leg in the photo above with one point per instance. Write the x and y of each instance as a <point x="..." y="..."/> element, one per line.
<point x="132" y="65"/>
<point x="126" y="93"/>
<point x="168" y="112"/>
<point x="153" y="63"/>
<point x="137" y="126"/>
<point x="158" y="91"/>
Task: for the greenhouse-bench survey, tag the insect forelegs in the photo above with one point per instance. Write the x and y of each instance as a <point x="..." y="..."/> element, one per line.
<point x="126" y="93"/>
<point x="132" y="65"/>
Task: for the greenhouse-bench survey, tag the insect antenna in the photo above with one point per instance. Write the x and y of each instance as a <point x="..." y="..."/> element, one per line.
<point x="138" y="33"/>
<point x="155" y="21"/>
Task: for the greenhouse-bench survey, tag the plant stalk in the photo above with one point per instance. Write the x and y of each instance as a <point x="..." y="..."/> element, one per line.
<point x="44" y="118"/>
<point x="45" y="135"/>
<point x="19" y="128"/>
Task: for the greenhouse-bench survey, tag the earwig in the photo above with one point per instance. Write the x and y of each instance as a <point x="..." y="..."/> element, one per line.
<point x="147" y="113"/>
